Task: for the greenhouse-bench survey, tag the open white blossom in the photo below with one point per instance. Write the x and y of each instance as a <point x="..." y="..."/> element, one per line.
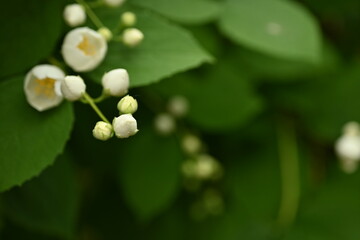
<point x="347" y="147"/>
<point x="73" y="87"/>
<point x="103" y="131"/>
<point x="132" y="37"/>
<point x="116" y="82"/>
<point x="83" y="49"/>
<point x="42" y="86"/>
<point x="125" y="126"/>
<point x="74" y="15"/>
<point x="114" y="3"/>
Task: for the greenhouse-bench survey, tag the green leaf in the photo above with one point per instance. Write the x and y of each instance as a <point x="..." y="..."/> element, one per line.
<point x="30" y="30"/>
<point x="167" y="49"/>
<point x="184" y="11"/>
<point x="275" y="27"/>
<point x="220" y="100"/>
<point x="48" y="203"/>
<point x="30" y="140"/>
<point x="149" y="172"/>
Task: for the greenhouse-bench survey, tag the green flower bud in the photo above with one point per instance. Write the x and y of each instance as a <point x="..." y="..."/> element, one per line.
<point x="127" y="104"/>
<point x="103" y="131"/>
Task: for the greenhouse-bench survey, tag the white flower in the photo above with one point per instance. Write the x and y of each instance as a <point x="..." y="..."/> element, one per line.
<point x="116" y="82"/>
<point x="114" y="3"/>
<point x="178" y="106"/>
<point x="127" y="104"/>
<point x="132" y="37"/>
<point x="207" y="167"/>
<point x="125" y="126"/>
<point x="164" y="124"/>
<point x="42" y="86"/>
<point x="128" y="19"/>
<point x="106" y="33"/>
<point x="103" y="131"/>
<point x="83" y="49"/>
<point x="74" y="15"/>
<point x="72" y="88"/>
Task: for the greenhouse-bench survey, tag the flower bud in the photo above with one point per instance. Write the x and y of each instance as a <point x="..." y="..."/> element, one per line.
<point x="208" y="167"/>
<point x="72" y="88"/>
<point x="164" y="124"/>
<point x="103" y="131"/>
<point x="74" y="15"/>
<point x="116" y="82"/>
<point x="178" y="106"/>
<point x="191" y="144"/>
<point x="106" y="33"/>
<point x="132" y="37"/>
<point x="128" y="19"/>
<point x="127" y="105"/>
<point x="114" y="3"/>
<point x="125" y="126"/>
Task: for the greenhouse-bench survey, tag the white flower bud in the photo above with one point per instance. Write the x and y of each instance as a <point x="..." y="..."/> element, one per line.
<point x="164" y="124"/>
<point x="128" y="19"/>
<point x="127" y="104"/>
<point x="351" y="128"/>
<point x="116" y="82"/>
<point x="114" y="3"/>
<point x="348" y="149"/>
<point x="106" y="33"/>
<point x="125" y="126"/>
<point x="191" y="144"/>
<point x="207" y="167"/>
<point x="103" y="131"/>
<point x="74" y="15"/>
<point x="132" y="37"/>
<point x="178" y="106"/>
<point x="42" y="86"/>
<point x="83" y="49"/>
<point x="73" y="87"/>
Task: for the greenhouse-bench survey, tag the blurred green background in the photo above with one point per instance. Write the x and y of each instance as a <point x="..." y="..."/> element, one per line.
<point x="269" y="86"/>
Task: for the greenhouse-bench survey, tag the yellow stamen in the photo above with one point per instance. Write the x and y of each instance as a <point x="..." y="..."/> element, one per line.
<point x="88" y="48"/>
<point x="45" y="87"/>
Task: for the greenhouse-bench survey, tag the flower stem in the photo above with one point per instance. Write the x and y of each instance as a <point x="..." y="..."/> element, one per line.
<point x="96" y="4"/>
<point x="91" y="14"/>
<point x="290" y="176"/>
<point x="90" y="101"/>
<point x="102" y="97"/>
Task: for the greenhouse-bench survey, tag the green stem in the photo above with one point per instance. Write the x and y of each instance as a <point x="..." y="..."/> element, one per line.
<point x="290" y="176"/>
<point x="102" y="97"/>
<point x="91" y="14"/>
<point x="96" y="4"/>
<point x="93" y="105"/>
<point x="56" y="62"/>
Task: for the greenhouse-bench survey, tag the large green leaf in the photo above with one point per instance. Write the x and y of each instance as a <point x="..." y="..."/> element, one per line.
<point x="149" y="172"/>
<point x="30" y="140"/>
<point x="48" y="203"/>
<point x="280" y="28"/>
<point x="167" y="49"/>
<point x="30" y="31"/>
<point x="184" y="11"/>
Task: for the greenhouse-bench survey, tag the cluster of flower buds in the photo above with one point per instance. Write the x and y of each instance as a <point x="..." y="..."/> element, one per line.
<point x="84" y="49"/>
<point x="165" y="123"/>
<point x="347" y="147"/>
<point x="46" y="86"/>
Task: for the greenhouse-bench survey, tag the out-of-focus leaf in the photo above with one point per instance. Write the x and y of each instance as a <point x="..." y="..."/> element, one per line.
<point x="149" y="172"/>
<point x="167" y="49"/>
<point x="184" y="11"/>
<point x="279" y="28"/>
<point x="30" y="30"/>
<point x="221" y="99"/>
<point x="30" y="140"/>
<point x="47" y="204"/>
